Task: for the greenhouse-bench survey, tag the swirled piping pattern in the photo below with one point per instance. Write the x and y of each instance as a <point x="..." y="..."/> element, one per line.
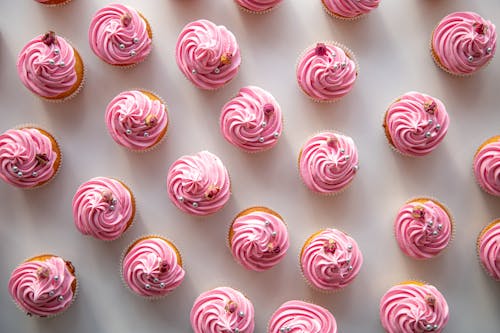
<point x="222" y="310"/>
<point x="328" y="162"/>
<point x="413" y="308"/>
<point x="330" y="260"/>
<point x="422" y="229"/>
<point x="252" y="120"/>
<point x="489" y="250"/>
<point x="207" y="54"/>
<point x="198" y="184"/>
<point x="27" y="157"/>
<point x="417" y="123"/>
<point x="102" y="208"/>
<point x="119" y="35"/>
<point x="47" y="69"/>
<point x="136" y="121"/>
<point x="350" y="8"/>
<point x="299" y="316"/>
<point x="487" y="167"/>
<point x="464" y="42"/>
<point x="259" y="240"/>
<point x="328" y="74"/>
<point x="151" y="268"/>
<point x="258" y="5"/>
<point x="42" y="288"/>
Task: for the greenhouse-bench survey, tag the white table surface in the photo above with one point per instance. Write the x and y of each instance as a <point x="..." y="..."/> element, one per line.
<point x="391" y="45"/>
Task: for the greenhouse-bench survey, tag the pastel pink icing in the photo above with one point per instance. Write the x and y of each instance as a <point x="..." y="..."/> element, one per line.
<point x="299" y="316"/>
<point x="222" y="310"/>
<point x="47" y="68"/>
<point x="487" y="167"/>
<point x="151" y="268"/>
<point x="119" y="36"/>
<point x="328" y="162"/>
<point x="198" y="184"/>
<point x="258" y="5"/>
<point x="207" y="54"/>
<point x="102" y="208"/>
<point x="489" y="250"/>
<point x="136" y="121"/>
<point x="417" y="123"/>
<point x="350" y="8"/>
<point x="464" y="42"/>
<point x="412" y="308"/>
<point x="327" y="72"/>
<point x="422" y="229"/>
<point x="252" y="120"/>
<point x="259" y="240"/>
<point x="330" y="260"/>
<point x="42" y="288"/>
<point x="27" y="157"/>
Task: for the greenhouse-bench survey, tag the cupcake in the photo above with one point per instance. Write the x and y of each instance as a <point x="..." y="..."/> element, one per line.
<point x="486" y="165"/>
<point x="252" y="120"/>
<point x="152" y="267"/>
<point x="120" y="35"/>
<point x="415" y="124"/>
<point x="207" y="54"/>
<point x="198" y="184"/>
<point x="330" y="260"/>
<point x="103" y="208"/>
<point x="44" y="285"/>
<point x="349" y="9"/>
<point x="137" y="119"/>
<point x="299" y="316"/>
<point x="257" y="6"/>
<point x="414" y="307"/>
<point x="328" y="162"/>
<point x="488" y="249"/>
<point x="29" y="157"/>
<point x="222" y="309"/>
<point x="50" y="67"/>
<point x="326" y="72"/>
<point x="258" y="238"/>
<point x="463" y="42"/>
<point x="53" y="2"/>
<point x="423" y="228"/>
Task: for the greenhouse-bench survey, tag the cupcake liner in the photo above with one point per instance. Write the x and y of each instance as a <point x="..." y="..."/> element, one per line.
<point x="478" y="244"/>
<point x="180" y="262"/>
<point x="340" y="17"/>
<point x="485" y="142"/>
<point x="257" y="12"/>
<point x="302" y="180"/>
<point x="55" y="4"/>
<point x="347" y="51"/>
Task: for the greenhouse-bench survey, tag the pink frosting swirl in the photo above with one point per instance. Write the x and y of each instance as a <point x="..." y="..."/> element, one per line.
<point x="46" y="66"/>
<point x="152" y="268"/>
<point x="198" y="184"/>
<point x="416" y="123"/>
<point x="222" y="310"/>
<point x="43" y="287"/>
<point x="422" y="229"/>
<point x="27" y="157"/>
<point x="103" y="208"/>
<point x="258" y="5"/>
<point x="487" y="167"/>
<point x="327" y="72"/>
<point x="259" y="239"/>
<point x="299" y="316"/>
<point x="413" y="308"/>
<point x="463" y="42"/>
<point x="328" y="162"/>
<point x="135" y="120"/>
<point x="252" y="120"/>
<point x="119" y="35"/>
<point x="489" y="249"/>
<point x="330" y="260"/>
<point x="207" y="54"/>
<point x="350" y="8"/>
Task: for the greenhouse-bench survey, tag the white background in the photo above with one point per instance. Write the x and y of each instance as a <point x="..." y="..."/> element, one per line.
<point x="392" y="47"/>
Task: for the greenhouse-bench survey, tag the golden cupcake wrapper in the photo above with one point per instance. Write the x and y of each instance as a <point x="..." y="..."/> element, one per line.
<point x="62" y="3"/>
<point x="257" y="12"/>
